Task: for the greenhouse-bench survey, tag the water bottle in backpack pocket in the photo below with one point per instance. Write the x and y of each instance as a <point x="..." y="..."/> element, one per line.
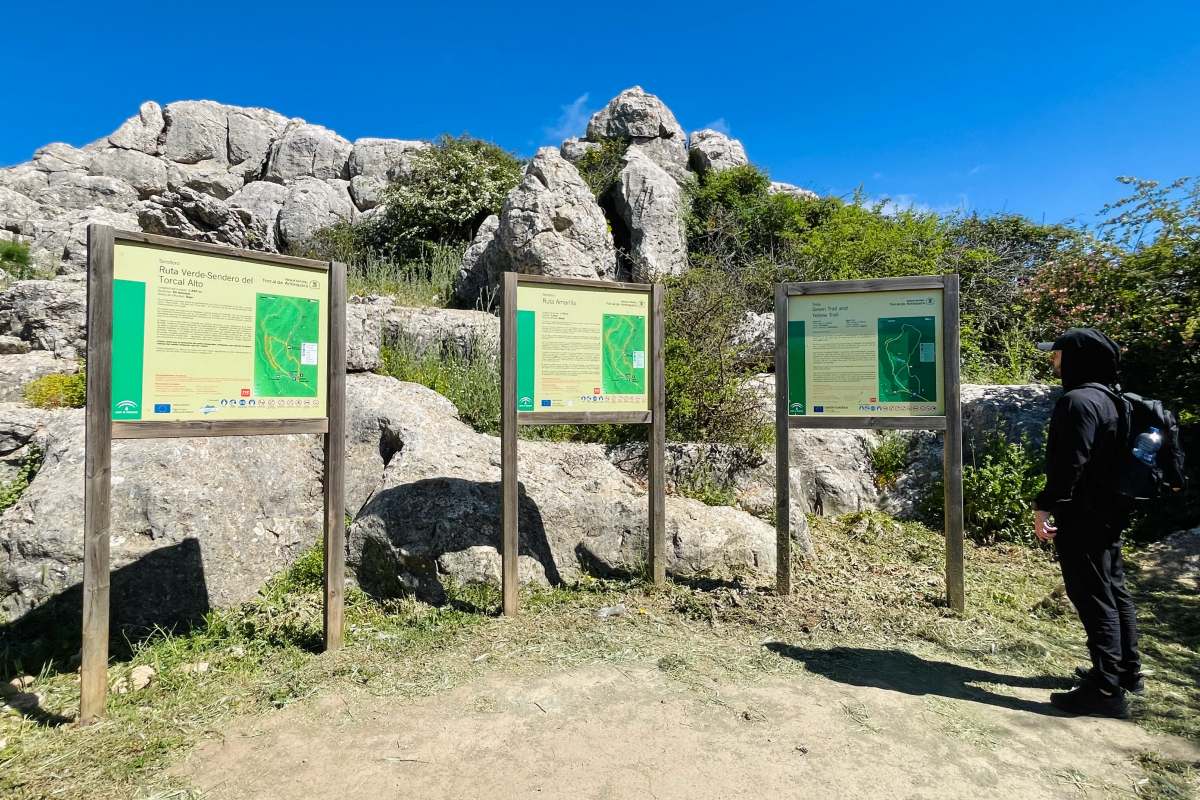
<point x="1152" y="465"/>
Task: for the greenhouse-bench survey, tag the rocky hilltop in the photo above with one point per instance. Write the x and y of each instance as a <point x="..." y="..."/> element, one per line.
<point x="422" y="487"/>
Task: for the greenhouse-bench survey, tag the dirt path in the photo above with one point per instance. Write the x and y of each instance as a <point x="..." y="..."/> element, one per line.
<point x="906" y="729"/>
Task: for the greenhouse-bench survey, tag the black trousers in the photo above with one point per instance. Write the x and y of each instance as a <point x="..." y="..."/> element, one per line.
<point x="1094" y="575"/>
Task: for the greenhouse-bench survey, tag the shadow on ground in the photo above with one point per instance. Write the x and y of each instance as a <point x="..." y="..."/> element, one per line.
<point x="901" y="671"/>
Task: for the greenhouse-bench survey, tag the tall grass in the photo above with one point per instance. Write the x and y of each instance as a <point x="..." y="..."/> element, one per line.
<point x="425" y="281"/>
<point x="471" y="382"/>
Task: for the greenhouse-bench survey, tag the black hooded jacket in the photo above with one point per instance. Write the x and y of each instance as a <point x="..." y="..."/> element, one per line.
<point x="1084" y="447"/>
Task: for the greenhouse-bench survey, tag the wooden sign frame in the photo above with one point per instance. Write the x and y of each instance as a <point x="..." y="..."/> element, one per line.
<point x="101" y="430"/>
<point x="950" y="423"/>
<point x="655" y="419"/>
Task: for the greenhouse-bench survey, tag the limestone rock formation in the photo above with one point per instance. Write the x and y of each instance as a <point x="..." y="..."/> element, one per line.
<point x="306" y="150"/>
<point x="710" y="150"/>
<point x="574" y="149"/>
<point x="48" y="315"/>
<point x="551" y="224"/>
<point x="652" y="205"/>
<point x="578" y="512"/>
<point x="779" y="187"/>
<point x="483" y="262"/>
<point x="647" y="123"/>
<point x="18" y="369"/>
<point x="375" y="162"/>
<point x="311" y="205"/>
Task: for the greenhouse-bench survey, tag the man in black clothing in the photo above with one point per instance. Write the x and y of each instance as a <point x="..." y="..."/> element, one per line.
<point x="1083" y="453"/>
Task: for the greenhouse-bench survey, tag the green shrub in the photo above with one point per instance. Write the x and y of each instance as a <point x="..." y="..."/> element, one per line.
<point x="701" y="484"/>
<point x="58" y="390"/>
<point x="11" y="491"/>
<point x="889" y="457"/>
<point x="471" y="383"/>
<point x="998" y="493"/>
<point x="451" y="188"/>
<point x="601" y="166"/>
<point x="15" y="260"/>
<point x="425" y="279"/>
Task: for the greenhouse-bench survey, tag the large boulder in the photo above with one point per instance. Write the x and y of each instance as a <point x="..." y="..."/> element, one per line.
<point x="648" y="125"/>
<point x="443" y="332"/>
<point x="652" y="206"/>
<point x="140" y="132"/>
<point x="145" y="173"/>
<point x="208" y="177"/>
<point x="483" y="261"/>
<point x="263" y="200"/>
<point x="251" y="132"/>
<point x="376" y="162"/>
<point x="312" y="205"/>
<point x="194" y="131"/>
<point x="80" y="191"/>
<point x="306" y="150"/>
<point x="577" y="512"/>
<point x="552" y="225"/>
<point x="713" y="151"/>
<point x="49" y="315"/>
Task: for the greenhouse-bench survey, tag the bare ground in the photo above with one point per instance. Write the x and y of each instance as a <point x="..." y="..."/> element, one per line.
<point x="883" y="724"/>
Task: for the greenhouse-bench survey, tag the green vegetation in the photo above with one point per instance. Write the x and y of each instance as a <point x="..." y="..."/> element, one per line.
<point x="451" y="188"/>
<point x="601" y="166"/>
<point x="58" y="390"/>
<point x="15" y="261"/>
<point x="11" y="490"/>
<point x="260" y="657"/>
<point x="889" y="457"/>
<point x="702" y="484"/>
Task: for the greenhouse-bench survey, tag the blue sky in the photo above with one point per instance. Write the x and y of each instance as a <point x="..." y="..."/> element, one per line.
<point x="1025" y="107"/>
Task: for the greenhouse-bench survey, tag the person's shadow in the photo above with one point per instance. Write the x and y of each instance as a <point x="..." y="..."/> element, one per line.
<point x="901" y="671"/>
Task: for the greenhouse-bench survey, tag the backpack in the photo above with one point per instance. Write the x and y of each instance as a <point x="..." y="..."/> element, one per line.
<point x="1137" y="480"/>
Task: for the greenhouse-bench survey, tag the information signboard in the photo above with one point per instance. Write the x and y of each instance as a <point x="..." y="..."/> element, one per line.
<point x="582" y="349"/>
<point x="576" y="351"/>
<point x="202" y="336"/>
<point x="866" y="354"/>
<point x="880" y="353"/>
<point x="195" y="339"/>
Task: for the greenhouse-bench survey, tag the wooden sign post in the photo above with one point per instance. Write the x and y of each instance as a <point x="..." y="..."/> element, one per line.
<point x="604" y="338"/>
<point x="248" y="344"/>
<point x="881" y="354"/>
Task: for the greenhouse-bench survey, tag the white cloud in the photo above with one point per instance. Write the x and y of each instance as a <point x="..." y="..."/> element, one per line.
<point x="572" y="121"/>
<point x="719" y="125"/>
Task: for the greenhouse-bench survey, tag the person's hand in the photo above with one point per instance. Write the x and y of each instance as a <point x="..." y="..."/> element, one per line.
<point x="1042" y="527"/>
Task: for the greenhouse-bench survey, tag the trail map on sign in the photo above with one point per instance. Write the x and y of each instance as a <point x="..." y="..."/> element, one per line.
<point x="907" y="362"/>
<point x="285" y="346"/>
<point x="623" y="356"/>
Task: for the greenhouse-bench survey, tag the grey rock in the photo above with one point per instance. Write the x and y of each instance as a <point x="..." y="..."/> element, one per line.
<point x="251" y="131"/>
<point x="652" y="206"/>
<point x="311" y="205"/>
<point x="483" y="261"/>
<point x="367" y="192"/>
<point x="551" y="224"/>
<point x="194" y="131"/>
<point x="263" y="200"/>
<point x="17" y="371"/>
<point x="140" y="133"/>
<point x="49" y="315"/>
<point x="754" y="339"/>
<point x="189" y="214"/>
<point x="305" y="150"/>
<point x="443" y="331"/>
<point x="69" y="236"/>
<point x="574" y="149"/>
<point x="145" y="173"/>
<point x="710" y="150"/>
<point x="745" y="475"/>
<point x="79" y="191"/>
<point x="208" y="177"/>
<point x="364" y="326"/>
<point x="12" y="346"/>
<point x="59" y="157"/>
<point x="648" y="124"/>
<point x="179" y="545"/>
<point x="779" y="187"/>
<point x="16" y="209"/>
<point x="385" y="159"/>
<point x="440" y="494"/>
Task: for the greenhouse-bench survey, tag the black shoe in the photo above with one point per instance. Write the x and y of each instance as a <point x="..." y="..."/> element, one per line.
<point x="1087" y="700"/>
<point x="1135" y="684"/>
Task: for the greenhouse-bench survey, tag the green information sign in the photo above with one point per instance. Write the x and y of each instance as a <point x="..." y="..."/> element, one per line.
<point x="866" y="354"/>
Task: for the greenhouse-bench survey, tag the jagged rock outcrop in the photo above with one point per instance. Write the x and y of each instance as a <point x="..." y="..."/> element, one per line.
<point x="199" y="170"/>
<point x="652" y="205"/>
<point x="445" y="332"/>
<point x="552" y="225"/>
<point x="48" y="315"/>
<point x="648" y="125"/>
<point x="754" y="339"/>
<point x="710" y="150"/>
<point x="574" y="149"/>
<point x="17" y="370"/>
<point x="483" y="262"/>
